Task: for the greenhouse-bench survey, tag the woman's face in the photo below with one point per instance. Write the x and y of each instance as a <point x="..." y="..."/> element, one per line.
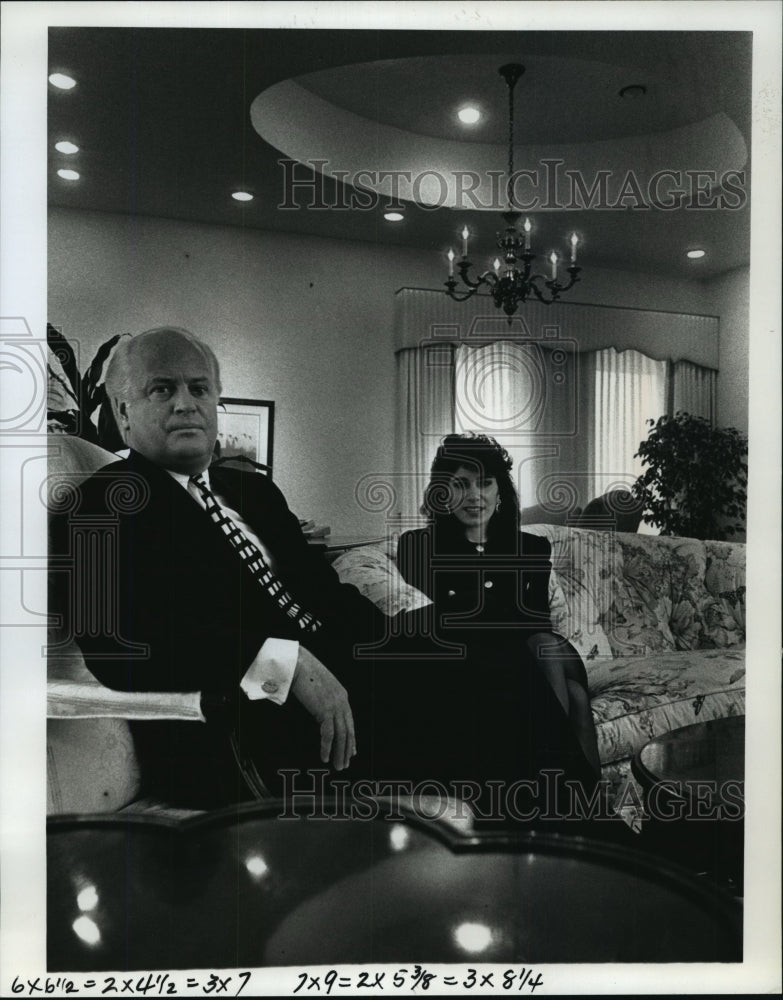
<point x="474" y="496"/>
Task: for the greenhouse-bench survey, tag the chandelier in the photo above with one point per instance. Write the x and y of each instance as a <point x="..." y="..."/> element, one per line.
<point x="511" y="281"/>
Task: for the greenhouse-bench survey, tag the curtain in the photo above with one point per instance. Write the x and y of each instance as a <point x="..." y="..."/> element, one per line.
<point x="527" y="397"/>
<point x="571" y="422"/>
<point x="693" y="390"/>
<point x="425" y="413"/>
<point x="624" y="389"/>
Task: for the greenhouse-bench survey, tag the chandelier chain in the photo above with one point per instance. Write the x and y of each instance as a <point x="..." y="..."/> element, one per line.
<point x="510" y="178"/>
<point x="515" y="283"/>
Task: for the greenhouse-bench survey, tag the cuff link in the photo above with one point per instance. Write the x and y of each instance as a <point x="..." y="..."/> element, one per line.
<point x="270" y="687"/>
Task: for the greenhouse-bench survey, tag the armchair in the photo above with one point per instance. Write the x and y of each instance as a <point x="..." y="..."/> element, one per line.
<point x="91" y="763"/>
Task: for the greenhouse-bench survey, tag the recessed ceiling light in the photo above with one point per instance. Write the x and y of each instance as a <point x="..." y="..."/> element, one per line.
<point x="68" y="175"/>
<point x="242" y="196"/>
<point x="696" y="254"/>
<point x="62" y="81"/>
<point x="469" y="115"/>
<point x="393" y="216"/>
<point x="633" y="91"/>
<point x="66" y="147"/>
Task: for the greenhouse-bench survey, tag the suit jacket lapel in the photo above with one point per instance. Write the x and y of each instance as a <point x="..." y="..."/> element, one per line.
<point x="244" y="492"/>
<point x="190" y="530"/>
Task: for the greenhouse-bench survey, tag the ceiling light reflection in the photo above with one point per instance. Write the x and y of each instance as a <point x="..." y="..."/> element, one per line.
<point x="473" y="937"/>
<point x="69" y="148"/>
<point x="393" y="216"/>
<point x="61" y="81"/>
<point x="87" y="930"/>
<point x="256" y="865"/>
<point x="87" y="898"/>
<point x="69" y="175"/>
<point x="242" y="196"/>
<point x="399" y="837"/>
<point x="696" y="254"/>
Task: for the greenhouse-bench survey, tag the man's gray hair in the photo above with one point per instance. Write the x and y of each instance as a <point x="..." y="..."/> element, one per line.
<point x="118" y="371"/>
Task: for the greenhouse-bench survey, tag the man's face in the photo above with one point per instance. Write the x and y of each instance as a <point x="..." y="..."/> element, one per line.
<point x="170" y="414"/>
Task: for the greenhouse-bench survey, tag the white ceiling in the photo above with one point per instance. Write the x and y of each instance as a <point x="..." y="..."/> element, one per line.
<point x="164" y="121"/>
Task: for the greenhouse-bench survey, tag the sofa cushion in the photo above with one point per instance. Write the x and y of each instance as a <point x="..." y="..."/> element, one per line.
<point x="724" y="609"/>
<point x="581" y="586"/>
<point x="635" y="699"/>
<point x="377" y="578"/>
<point x="707" y="591"/>
<point x="637" y="620"/>
<point x="687" y="565"/>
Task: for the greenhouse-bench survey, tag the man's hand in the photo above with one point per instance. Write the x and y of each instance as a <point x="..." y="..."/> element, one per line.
<point x="326" y="700"/>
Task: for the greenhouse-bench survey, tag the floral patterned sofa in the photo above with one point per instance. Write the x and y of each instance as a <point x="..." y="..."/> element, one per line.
<point x="659" y="622"/>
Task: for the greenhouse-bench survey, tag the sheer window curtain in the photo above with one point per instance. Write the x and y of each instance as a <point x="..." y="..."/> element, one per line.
<point x="571" y="422"/>
<point x="425" y="414"/>
<point x="625" y="389"/>
<point x="693" y="390"/>
<point x="531" y="399"/>
<point x="527" y="397"/>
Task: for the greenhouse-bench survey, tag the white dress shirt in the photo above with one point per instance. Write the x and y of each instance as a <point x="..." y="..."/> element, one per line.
<point x="272" y="671"/>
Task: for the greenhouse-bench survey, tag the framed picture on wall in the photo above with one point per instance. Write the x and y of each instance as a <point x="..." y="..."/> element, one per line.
<point x="246" y="430"/>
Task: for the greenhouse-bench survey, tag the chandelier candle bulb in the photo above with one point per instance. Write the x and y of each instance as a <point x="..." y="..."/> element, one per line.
<point x="517" y="282"/>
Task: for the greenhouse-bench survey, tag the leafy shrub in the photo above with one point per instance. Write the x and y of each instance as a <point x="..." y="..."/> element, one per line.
<point x="695" y="483"/>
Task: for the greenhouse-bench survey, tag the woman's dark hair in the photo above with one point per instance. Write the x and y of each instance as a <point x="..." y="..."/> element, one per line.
<point x="477" y="451"/>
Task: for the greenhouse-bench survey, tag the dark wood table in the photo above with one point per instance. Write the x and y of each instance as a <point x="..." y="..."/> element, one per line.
<point x="693" y="780"/>
<point x="245" y="888"/>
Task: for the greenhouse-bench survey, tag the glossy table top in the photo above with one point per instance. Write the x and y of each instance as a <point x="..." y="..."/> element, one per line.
<point x="706" y="752"/>
<point x="247" y="888"/>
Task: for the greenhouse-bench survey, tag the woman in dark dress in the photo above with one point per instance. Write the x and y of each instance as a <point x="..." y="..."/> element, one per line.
<point x="489" y="581"/>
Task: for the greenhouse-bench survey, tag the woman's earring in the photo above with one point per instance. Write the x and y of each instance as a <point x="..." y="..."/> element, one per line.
<point x="497" y="506"/>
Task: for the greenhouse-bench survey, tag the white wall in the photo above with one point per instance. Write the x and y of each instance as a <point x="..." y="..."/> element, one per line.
<point x="632" y="290"/>
<point x="307" y="323"/>
<point x="728" y="296"/>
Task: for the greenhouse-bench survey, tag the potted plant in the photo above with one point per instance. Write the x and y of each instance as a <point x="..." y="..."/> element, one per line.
<point x="73" y="398"/>
<point x="695" y="483"/>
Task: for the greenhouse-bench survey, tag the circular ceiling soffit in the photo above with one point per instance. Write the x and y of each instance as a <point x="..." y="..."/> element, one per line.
<point x="365" y="122"/>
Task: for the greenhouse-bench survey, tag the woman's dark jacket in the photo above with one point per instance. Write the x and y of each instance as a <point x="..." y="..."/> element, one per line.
<point x="504" y="589"/>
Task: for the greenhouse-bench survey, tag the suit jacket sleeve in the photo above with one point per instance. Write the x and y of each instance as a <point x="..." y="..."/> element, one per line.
<point x="156" y="598"/>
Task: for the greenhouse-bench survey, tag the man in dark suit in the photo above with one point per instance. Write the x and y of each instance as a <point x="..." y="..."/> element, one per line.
<point x="266" y="640"/>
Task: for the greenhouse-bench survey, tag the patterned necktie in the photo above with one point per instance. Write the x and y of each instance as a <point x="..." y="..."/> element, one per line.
<point x="254" y="560"/>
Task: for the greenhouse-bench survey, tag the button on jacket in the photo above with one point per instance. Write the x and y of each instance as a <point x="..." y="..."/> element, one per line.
<point x="474" y="591"/>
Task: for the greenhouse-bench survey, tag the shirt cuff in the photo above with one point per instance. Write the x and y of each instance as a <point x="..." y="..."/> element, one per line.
<point x="272" y="671"/>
